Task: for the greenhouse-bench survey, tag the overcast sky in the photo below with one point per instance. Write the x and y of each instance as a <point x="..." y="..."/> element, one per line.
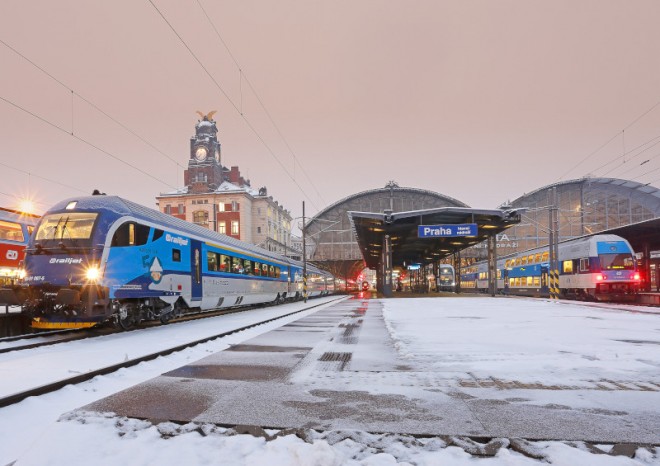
<point x="480" y="100"/>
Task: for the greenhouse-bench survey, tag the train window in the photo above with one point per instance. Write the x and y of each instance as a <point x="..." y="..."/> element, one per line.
<point x="278" y="272"/>
<point x="271" y="271"/>
<point x="523" y="260"/>
<point x="530" y="259"/>
<point x="507" y="263"/>
<point x="518" y="261"/>
<point x="224" y="263"/>
<point x="517" y="282"/>
<point x="257" y="268"/>
<point x="537" y="281"/>
<point x="236" y="265"/>
<point x="176" y="255"/>
<point x="584" y="264"/>
<point x="247" y="264"/>
<point x="544" y="257"/>
<point x="499" y="274"/>
<point x="157" y="234"/>
<point x="66" y="226"/>
<point x="530" y="281"/>
<point x="537" y="257"/>
<point x="567" y="266"/>
<point x="212" y="261"/>
<point x="11" y="231"/>
<point x="264" y="270"/>
<point x="512" y="281"/>
<point x="130" y="234"/>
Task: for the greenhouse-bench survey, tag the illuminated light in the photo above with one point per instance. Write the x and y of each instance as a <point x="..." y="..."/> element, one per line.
<point x="93" y="273"/>
<point x="71" y="205"/>
<point x="600" y="277"/>
<point x="5" y="272"/>
<point x="21" y="274"/>
<point x="26" y="206"/>
<point x="636" y="276"/>
<point x="376" y="229"/>
<point x="488" y="226"/>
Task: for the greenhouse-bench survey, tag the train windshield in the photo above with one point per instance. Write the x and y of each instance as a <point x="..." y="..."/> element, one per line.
<point x="621" y="261"/>
<point x="448" y="271"/>
<point x="68" y="228"/>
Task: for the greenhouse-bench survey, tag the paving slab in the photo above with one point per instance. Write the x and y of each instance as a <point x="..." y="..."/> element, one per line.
<point x="340" y="369"/>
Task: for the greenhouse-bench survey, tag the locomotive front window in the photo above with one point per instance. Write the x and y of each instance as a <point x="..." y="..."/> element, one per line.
<point x="11" y="231"/>
<point x="66" y="226"/>
<point x="621" y="261"/>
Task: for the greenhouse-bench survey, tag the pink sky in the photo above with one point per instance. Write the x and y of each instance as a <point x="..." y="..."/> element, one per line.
<point x="479" y="100"/>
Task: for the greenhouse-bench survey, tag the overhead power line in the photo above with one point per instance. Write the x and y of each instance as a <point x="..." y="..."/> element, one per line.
<point x="610" y="140"/>
<point x="242" y="76"/>
<point x="233" y="104"/>
<point x="90" y="103"/>
<point x="85" y="141"/>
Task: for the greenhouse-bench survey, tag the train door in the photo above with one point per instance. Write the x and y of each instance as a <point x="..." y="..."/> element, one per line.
<point x="544" y="279"/>
<point x="196" y="270"/>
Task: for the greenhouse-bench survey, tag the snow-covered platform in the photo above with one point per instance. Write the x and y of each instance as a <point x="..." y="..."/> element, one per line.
<point x="484" y="367"/>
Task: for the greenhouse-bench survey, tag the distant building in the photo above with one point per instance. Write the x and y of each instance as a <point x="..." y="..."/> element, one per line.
<point x="222" y="200"/>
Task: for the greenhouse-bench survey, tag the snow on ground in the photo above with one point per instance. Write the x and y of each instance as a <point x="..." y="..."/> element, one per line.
<point x="549" y="343"/>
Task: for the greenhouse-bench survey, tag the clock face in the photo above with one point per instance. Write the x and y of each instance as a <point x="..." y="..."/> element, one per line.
<point x="201" y="153"/>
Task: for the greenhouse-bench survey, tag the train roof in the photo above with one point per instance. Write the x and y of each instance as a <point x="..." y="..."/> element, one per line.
<point x="123" y="207"/>
<point x="17" y="216"/>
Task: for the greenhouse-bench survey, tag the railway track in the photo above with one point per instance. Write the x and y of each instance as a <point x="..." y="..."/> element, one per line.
<point x="129" y="362"/>
<point x="54" y="337"/>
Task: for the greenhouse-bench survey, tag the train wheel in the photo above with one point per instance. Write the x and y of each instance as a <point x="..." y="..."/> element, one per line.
<point x="126" y="317"/>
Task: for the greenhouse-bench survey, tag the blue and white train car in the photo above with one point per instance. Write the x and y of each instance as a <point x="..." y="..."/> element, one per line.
<point x="103" y="258"/>
<point x="598" y="267"/>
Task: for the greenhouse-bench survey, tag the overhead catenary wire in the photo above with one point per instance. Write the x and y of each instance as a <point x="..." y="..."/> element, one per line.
<point x="233" y="104"/>
<point x="44" y="120"/>
<point x="88" y="102"/>
<point x="242" y="76"/>
<point x="609" y="140"/>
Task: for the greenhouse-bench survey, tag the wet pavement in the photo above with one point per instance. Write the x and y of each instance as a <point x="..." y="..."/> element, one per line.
<point x="339" y="369"/>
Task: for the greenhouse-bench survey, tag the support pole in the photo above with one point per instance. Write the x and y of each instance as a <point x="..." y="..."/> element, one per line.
<point x="304" y="255"/>
<point x="492" y="265"/>
<point x="553" y="228"/>
<point x="387" y="266"/>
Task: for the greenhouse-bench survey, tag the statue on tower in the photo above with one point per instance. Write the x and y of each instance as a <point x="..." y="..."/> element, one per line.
<point x="208" y="116"/>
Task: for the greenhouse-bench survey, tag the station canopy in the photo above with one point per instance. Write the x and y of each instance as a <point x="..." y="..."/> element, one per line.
<point x="406" y="244"/>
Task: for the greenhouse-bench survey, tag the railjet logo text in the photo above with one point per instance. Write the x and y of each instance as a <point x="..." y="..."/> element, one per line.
<point x="66" y="260"/>
<point x="176" y="240"/>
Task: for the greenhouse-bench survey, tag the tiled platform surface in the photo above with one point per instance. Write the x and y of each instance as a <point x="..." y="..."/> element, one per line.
<point x="338" y="369"/>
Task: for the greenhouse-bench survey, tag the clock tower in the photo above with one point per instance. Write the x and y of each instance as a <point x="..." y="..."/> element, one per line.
<point x="204" y="173"/>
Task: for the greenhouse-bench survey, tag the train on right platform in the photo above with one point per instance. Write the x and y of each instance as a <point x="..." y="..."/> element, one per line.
<point x="594" y="268"/>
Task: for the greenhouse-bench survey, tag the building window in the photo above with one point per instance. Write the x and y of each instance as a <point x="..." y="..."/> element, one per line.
<point x="181" y="209"/>
<point x="234" y="206"/>
<point x="258" y="229"/>
<point x="168" y="209"/>
<point x="221" y="207"/>
<point x="222" y="228"/>
<point x="201" y="217"/>
<point x="234" y="227"/>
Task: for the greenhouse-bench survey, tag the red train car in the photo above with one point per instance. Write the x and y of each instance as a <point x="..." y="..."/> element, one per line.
<point x="15" y="230"/>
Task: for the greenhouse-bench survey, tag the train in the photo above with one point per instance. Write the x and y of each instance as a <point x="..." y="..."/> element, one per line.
<point x="15" y="230"/>
<point x="601" y="267"/>
<point x="103" y="259"/>
<point x="446" y="279"/>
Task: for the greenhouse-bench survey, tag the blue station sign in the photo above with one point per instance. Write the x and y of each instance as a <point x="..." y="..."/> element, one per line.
<point x="447" y="231"/>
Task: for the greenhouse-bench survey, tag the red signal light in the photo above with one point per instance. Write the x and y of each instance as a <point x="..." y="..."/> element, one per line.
<point x="636" y="276"/>
<point x="600" y="277"/>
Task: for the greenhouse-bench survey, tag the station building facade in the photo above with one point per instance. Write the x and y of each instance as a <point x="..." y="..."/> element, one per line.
<point x="222" y="200"/>
<point x="585" y="206"/>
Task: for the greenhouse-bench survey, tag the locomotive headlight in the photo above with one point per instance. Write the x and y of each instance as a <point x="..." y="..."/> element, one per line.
<point x="21" y="274"/>
<point x="93" y="273"/>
